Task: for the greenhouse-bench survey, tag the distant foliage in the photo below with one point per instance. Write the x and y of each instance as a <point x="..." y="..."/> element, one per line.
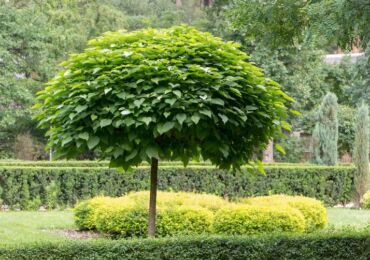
<point x="294" y="150"/>
<point x="346" y="129"/>
<point x="361" y="152"/>
<point x="325" y="134"/>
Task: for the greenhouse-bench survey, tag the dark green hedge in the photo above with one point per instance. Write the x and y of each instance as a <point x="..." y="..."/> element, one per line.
<point x="354" y="246"/>
<point x="73" y="163"/>
<point x="28" y="187"/>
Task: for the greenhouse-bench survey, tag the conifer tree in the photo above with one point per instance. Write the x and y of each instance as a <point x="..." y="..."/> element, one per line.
<point x="361" y="152"/>
<point x="325" y="135"/>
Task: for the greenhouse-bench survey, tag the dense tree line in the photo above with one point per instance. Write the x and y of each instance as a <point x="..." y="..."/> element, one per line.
<point x="288" y="38"/>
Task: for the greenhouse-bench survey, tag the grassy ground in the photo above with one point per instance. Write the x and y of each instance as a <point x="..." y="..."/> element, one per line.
<point x="24" y="227"/>
<point x="339" y="217"/>
<point x="28" y="227"/>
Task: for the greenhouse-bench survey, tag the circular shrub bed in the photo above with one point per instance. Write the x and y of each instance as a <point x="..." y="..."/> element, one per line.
<point x="191" y="213"/>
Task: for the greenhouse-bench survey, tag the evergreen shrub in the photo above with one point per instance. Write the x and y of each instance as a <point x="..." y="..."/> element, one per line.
<point x="191" y="213"/>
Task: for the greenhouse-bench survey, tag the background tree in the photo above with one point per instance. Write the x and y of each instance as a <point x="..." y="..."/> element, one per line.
<point x="325" y="134"/>
<point x="361" y="152"/>
<point x="175" y="94"/>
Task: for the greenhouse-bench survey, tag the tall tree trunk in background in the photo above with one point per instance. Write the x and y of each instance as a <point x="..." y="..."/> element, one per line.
<point x="207" y="3"/>
<point x="178" y="4"/>
<point x="153" y="197"/>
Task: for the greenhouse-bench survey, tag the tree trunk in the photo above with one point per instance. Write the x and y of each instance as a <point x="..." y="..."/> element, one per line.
<point x="153" y="197"/>
<point x="178" y="4"/>
<point x="207" y="3"/>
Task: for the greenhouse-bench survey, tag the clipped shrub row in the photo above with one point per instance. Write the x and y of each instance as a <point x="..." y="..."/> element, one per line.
<point x="86" y="163"/>
<point x="312" y="210"/>
<point x="29" y="187"/>
<point x="191" y="213"/>
<point x="312" y="246"/>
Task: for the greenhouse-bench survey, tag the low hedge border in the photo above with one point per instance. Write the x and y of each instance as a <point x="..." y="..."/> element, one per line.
<point x="85" y="163"/>
<point x="25" y="187"/>
<point x="345" y="246"/>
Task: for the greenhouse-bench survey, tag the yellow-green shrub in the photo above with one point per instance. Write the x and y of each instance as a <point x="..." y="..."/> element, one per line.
<point x="184" y="220"/>
<point x="167" y="199"/>
<point x="313" y="210"/>
<point x="122" y="219"/>
<point x="190" y="213"/>
<point x="366" y="200"/>
<point x="85" y="211"/>
<point x="127" y="216"/>
<point x="254" y="219"/>
<point x="130" y="220"/>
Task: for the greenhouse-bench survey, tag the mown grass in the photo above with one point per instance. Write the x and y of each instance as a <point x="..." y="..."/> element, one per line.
<point x="340" y="217"/>
<point x="22" y="227"/>
<point x="19" y="227"/>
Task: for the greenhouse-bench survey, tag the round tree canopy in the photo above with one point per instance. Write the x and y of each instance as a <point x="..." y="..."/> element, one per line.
<point x="173" y="94"/>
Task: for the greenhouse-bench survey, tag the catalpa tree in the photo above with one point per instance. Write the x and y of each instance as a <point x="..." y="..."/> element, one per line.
<point x="173" y="94"/>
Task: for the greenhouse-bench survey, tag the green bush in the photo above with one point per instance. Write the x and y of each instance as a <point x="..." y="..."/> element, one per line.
<point x="328" y="246"/>
<point x="184" y="220"/>
<point x="191" y="213"/>
<point x="313" y="210"/>
<point x="332" y="185"/>
<point x="243" y="219"/>
<point x="127" y="216"/>
<point x="366" y="200"/>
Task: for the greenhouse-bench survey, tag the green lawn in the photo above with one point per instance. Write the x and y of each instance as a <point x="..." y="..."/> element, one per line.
<point x="24" y="226"/>
<point x="27" y="227"/>
<point x="343" y="217"/>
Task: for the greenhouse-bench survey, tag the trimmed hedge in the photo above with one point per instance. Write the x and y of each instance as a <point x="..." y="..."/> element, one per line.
<point x="26" y="187"/>
<point x="255" y="219"/>
<point x="313" y="210"/>
<point x="86" y="163"/>
<point x="336" y="246"/>
<point x="193" y="213"/>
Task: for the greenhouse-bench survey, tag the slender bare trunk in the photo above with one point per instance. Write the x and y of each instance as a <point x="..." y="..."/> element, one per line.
<point x="153" y="197"/>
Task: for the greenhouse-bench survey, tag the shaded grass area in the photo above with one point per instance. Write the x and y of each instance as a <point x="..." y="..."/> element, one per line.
<point x="24" y="227"/>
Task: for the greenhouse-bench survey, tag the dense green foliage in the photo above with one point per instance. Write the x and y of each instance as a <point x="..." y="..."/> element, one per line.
<point x="366" y="200"/>
<point x="346" y="129"/>
<point x="312" y="210"/>
<point x="164" y="94"/>
<point x="294" y="148"/>
<point x="255" y="219"/>
<point x="291" y="51"/>
<point x="290" y="55"/>
<point x="325" y="134"/>
<point x="361" y="152"/>
<point x="192" y="213"/>
<point x="291" y="22"/>
<point x="27" y="185"/>
<point x="34" y="38"/>
<point x="330" y="246"/>
<point x="36" y="35"/>
<point x="178" y="213"/>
